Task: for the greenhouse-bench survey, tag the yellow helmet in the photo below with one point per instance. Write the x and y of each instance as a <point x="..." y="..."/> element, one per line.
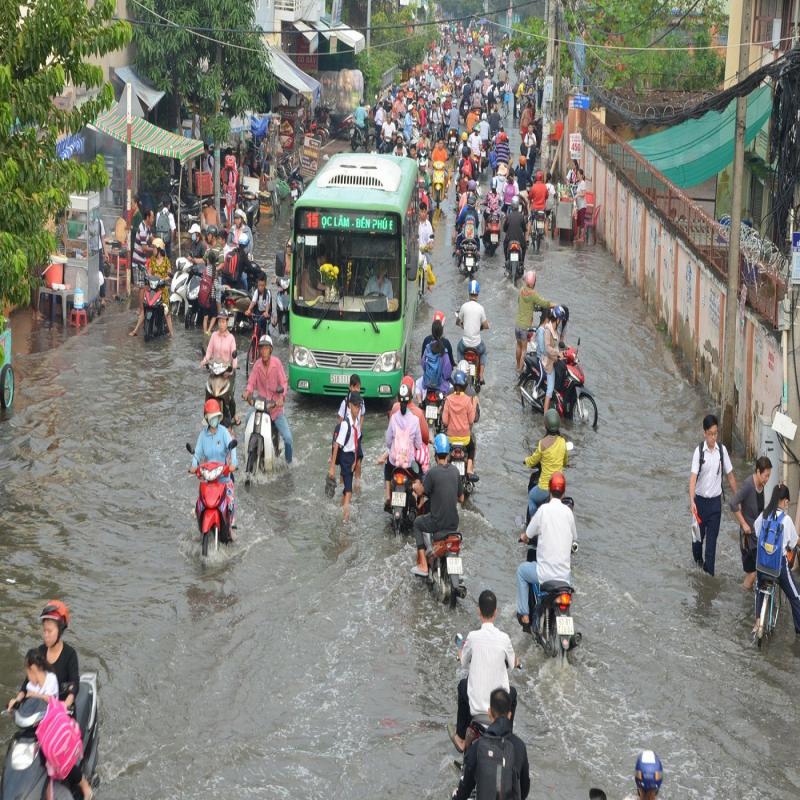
<point x="464" y="136"/>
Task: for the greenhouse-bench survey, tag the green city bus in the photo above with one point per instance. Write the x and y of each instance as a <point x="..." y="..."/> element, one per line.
<point x="354" y="275"/>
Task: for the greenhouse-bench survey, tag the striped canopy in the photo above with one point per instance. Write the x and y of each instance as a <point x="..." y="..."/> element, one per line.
<point x="146" y="136"/>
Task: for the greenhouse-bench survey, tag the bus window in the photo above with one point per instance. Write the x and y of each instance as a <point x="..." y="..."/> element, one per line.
<point x="369" y="279"/>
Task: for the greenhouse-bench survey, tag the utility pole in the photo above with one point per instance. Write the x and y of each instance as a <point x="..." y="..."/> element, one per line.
<point x="732" y="299"/>
<point x="369" y="22"/>
<point x="217" y="108"/>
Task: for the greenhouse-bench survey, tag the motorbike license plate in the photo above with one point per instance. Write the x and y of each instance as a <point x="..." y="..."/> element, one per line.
<point x="431" y="412"/>
<point x="340" y="378"/>
<point x="461" y="467"/>
<point x="452" y="140"/>
<point x="565" y="626"/>
<point x="471" y="370"/>
<point x="514" y="256"/>
<point x="398" y="499"/>
<point x="294" y="194"/>
<point x="539" y="224"/>
<point x="470" y="262"/>
<point x="495" y="238"/>
<point x="454" y="565"/>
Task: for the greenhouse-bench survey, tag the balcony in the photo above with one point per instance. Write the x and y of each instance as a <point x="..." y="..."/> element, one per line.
<point x="295" y="10"/>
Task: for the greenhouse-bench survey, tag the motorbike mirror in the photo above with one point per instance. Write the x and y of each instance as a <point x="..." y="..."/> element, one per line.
<point x="570" y="447"/>
<point x="232" y="444"/>
<point x="190" y="448"/>
<point x="579" y="342"/>
<point x="597" y="794"/>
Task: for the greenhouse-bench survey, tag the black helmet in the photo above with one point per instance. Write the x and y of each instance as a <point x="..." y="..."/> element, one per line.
<point x="212" y="230"/>
<point x="212" y="256"/>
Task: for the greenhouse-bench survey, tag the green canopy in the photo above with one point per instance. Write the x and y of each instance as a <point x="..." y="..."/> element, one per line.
<point x="146" y="136"/>
<point x="698" y="149"/>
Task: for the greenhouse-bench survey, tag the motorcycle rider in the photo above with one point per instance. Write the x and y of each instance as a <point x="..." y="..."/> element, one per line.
<point x="554" y="524"/>
<point x="268" y="380"/>
<point x="262" y="300"/>
<point x="197" y="250"/>
<point x="458" y="417"/>
<point x="440" y="485"/>
<point x="648" y="776"/>
<point x="488" y="655"/>
<point x="538" y="193"/>
<point x="472" y="318"/>
<point x="485" y="130"/>
<point x="528" y="301"/>
<point x="240" y="233"/>
<point x="552" y="455"/>
<point x="515" y="227"/>
<point x="437" y="332"/>
<point x="159" y="266"/>
<point x="500" y="713"/>
<point x="361" y="117"/>
<point x="550" y="355"/>
<point x="403" y="433"/>
<point x="470" y="211"/>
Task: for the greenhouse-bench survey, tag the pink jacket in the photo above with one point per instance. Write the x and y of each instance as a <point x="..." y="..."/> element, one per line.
<point x="221" y="347"/>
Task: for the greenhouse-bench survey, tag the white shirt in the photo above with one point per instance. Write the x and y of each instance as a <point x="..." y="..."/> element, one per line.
<point x="425" y="233"/>
<point x="343" y="409"/>
<point x="474" y="143"/>
<point x="170" y="215"/>
<point x="472" y="316"/>
<point x="709" y="482"/>
<point x="554" y="524"/>
<point x="50" y="688"/>
<point x="262" y="303"/>
<point x="380" y="114"/>
<point x="484" y="130"/>
<point x="488" y="654"/>
<point x="789" y="531"/>
<point x="388" y="130"/>
<point x="580" y="195"/>
<point x="352" y="432"/>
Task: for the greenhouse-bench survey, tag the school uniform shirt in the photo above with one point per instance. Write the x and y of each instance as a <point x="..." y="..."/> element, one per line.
<point x="709" y="481"/>
<point x="49" y="688"/>
<point x="348" y="436"/>
<point x="343" y="409"/>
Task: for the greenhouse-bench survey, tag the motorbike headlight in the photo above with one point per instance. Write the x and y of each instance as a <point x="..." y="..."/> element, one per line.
<point x="388" y="362"/>
<point x="23" y="755"/>
<point x="212" y="474"/>
<point x="301" y="357"/>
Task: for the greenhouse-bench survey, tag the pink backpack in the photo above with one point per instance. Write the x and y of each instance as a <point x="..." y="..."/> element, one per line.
<point x="59" y="737"/>
<point x="401" y="453"/>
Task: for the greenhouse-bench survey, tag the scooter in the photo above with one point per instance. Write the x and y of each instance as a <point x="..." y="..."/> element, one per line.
<point x="514" y="261"/>
<point x="260" y="441"/>
<point x="220" y="387"/>
<point x="360" y="139"/>
<point x="491" y="236"/>
<point x="155" y="324"/>
<point x="445" y="568"/>
<point x="434" y="403"/>
<point x="236" y="301"/>
<point x="470" y="256"/>
<point x="251" y="205"/>
<point x="187" y="276"/>
<point x="439" y="183"/>
<point x="24" y="771"/>
<point x="213" y="510"/>
<point x="403" y="500"/>
<point x="473" y="359"/>
<point x="571" y="399"/>
<point x="282" y="306"/>
<point x="458" y="458"/>
<point x="537" y="230"/>
<point x="452" y="141"/>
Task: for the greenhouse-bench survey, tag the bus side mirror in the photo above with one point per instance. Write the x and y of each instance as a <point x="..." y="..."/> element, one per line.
<point x="412" y="265"/>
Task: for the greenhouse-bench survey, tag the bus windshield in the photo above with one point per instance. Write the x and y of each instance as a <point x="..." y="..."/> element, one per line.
<point x="347" y="275"/>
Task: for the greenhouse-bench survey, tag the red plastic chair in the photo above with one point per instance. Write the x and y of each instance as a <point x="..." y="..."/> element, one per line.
<point x="591" y="223"/>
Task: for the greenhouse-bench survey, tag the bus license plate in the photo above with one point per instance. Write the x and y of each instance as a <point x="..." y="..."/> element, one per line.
<point x="454" y="565"/>
<point x="515" y="256"/>
<point x="340" y="378"/>
<point x="399" y="500"/>
<point x="565" y="626"/>
<point x="495" y="238"/>
<point x="432" y="412"/>
<point x="460" y="466"/>
<point x="470" y="261"/>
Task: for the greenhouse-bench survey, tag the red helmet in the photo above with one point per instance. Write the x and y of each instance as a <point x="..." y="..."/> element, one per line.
<point x="58" y="612"/>
<point x="211" y="407"/>
<point x="557" y="483"/>
<point x="539" y="176"/>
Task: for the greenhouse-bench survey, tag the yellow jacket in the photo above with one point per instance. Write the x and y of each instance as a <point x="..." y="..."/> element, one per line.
<point x="553" y="459"/>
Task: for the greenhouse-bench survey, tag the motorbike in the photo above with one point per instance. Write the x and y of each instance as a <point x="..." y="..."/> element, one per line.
<point x="515" y="262"/>
<point x="403" y="500"/>
<point x="250" y="203"/>
<point x="236" y="301"/>
<point x="190" y="208"/>
<point x="186" y="278"/>
<point x="537" y="230"/>
<point x="360" y="139"/>
<point x="260" y="441"/>
<point x="282" y="306"/>
<point x="438" y="183"/>
<point x="452" y="141"/>
<point x="484" y="158"/>
<point x="473" y="359"/>
<point x="220" y="386"/>
<point x="491" y="236"/>
<point x="155" y="324"/>
<point x="470" y="258"/>
<point x="434" y="403"/>
<point x="213" y="510"/>
<point x="458" y="457"/>
<point x="571" y="399"/>
<point x="24" y="771"/>
<point x="445" y="568"/>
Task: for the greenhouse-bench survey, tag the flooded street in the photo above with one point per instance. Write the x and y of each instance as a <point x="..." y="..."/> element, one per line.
<point x="306" y="661"/>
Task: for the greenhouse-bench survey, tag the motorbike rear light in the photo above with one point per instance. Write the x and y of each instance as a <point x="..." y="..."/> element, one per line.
<point x="471" y="356"/>
<point x="399" y="478"/>
<point x="432" y="397"/>
<point x="563" y="600"/>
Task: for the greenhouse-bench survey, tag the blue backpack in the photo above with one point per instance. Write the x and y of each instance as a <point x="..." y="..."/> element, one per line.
<point x="769" y="554"/>
<point x="431" y="367"/>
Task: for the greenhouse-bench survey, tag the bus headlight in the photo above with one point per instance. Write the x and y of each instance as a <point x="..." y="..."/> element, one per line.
<point x="301" y="356"/>
<point x="388" y="362"/>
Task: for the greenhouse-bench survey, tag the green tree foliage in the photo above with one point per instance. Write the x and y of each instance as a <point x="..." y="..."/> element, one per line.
<point x="218" y="80"/>
<point x="44" y="45"/>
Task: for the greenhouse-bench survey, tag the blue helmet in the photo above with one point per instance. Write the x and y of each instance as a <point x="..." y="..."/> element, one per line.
<point x="441" y="444"/>
<point x="649" y="772"/>
<point x="474" y="288"/>
<point x="459" y="378"/>
<point x="558" y="312"/>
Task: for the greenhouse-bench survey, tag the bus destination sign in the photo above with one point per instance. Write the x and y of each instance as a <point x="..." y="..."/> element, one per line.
<point x="350" y="221"/>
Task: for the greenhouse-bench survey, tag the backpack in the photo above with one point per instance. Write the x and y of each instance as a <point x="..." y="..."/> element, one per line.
<point x="496" y="775"/>
<point x="431" y="367"/>
<point x="230" y="266"/>
<point x="401" y="453"/>
<point x="336" y="430"/>
<point x="59" y="737"/>
<point x="162" y="224"/>
<point x="204" y="290"/>
<point x="769" y="554"/>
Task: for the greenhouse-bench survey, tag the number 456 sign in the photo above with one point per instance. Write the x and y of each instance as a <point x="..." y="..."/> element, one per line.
<point x="575" y="145"/>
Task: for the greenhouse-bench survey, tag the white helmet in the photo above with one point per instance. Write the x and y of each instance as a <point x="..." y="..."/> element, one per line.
<point x="195" y="228"/>
<point x="483" y="115"/>
<point x="463" y="366"/>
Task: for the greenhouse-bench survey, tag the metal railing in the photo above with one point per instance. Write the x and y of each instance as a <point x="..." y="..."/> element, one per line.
<point x="702" y="234"/>
<point x="285" y="5"/>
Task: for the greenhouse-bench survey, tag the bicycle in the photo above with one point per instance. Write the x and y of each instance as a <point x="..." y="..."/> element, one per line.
<point x="252" y="350"/>
<point x="770" y="606"/>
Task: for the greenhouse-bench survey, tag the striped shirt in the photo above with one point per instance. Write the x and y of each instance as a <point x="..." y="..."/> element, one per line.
<point x="142" y="238"/>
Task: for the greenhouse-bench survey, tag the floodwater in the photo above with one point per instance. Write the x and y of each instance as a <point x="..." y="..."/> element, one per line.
<point x="306" y="661"/>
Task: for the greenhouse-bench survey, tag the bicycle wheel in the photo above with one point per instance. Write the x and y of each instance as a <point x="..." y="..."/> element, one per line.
<point x="252" y="353"/>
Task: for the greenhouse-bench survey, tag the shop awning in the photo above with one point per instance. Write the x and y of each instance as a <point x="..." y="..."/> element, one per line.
<point x="699" y="149"/>
<point x="146" y="136"/>
<point x="310" y="34"/>
<point x="288" y="74"/>
<point x="347" y="36"/>
<point x="147" y="94"/>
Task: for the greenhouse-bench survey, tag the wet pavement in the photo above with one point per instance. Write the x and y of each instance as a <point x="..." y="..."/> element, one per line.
<point x="306" y="661"/>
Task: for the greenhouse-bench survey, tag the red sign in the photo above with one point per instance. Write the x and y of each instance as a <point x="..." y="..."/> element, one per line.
<point x="308" y="62"/>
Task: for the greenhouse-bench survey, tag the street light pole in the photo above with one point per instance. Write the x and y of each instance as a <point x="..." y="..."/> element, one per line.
<point x="369" y="22"/>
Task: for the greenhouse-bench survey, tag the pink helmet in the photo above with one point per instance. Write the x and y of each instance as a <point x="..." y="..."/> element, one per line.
<point x="530" y="278"/>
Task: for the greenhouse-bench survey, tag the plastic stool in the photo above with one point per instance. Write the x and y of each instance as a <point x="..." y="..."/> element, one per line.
<point x="77" y="317"/>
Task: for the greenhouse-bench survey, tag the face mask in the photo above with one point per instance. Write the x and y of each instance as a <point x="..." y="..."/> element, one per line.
<point x="194" y="237"/>
<point x="214" y="420"/>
